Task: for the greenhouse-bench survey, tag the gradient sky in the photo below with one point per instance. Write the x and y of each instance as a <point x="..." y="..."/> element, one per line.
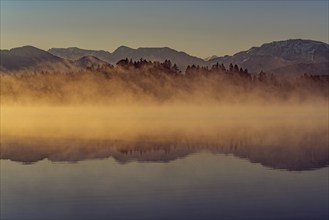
<point x="200" y="28"/>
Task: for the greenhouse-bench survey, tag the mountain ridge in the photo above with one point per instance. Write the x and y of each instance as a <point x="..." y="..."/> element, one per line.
<point x="160" y="54"/>
<point x="28" y="57"/>
<point x="277" y="57"/>
<point x="278" y="54"/>
<point x="266" y="57"/>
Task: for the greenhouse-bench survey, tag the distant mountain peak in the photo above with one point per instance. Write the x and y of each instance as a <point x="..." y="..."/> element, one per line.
<point x="90" y="57"/>
<point x="155" y="48"/>
<point x="294" y="44"/>
<point x="278" y="54"/>
<point x="298" y="40"/>
<point x="26" y="47"/>
<point x="73" y="48"/>
<point x="26" y="57"/>
<point x="75" y="53"/>
<point x="123" y="48"/>
<point x="89" y="61"/>
<point x="210" y="58"/>
<point x="29" y="50"/>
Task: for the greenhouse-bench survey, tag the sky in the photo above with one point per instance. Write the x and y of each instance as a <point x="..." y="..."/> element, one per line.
<point x="200" y="28"/>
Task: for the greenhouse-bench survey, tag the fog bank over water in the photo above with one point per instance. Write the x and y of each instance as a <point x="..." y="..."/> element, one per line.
<point x="131" y="122"/>
<point x="291" y="137"/>
<point x="149" y="111"/>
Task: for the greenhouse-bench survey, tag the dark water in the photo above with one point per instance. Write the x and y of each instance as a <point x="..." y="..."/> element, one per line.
<point x="199" y="185"/>
<point x="77" y="163"/>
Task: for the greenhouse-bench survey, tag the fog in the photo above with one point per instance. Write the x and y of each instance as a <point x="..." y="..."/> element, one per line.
<point x="155" y="86"/>
<point x="130" y="122"/>
<point x="124" y="107"/>
<point x="288" y="137"/>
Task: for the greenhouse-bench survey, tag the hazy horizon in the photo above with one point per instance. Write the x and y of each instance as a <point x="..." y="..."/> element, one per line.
<point x="46" y="49"/>
<point x="200" y="29"/>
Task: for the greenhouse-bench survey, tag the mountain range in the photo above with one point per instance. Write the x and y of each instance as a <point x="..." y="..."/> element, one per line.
<point x="289" y="57"/>
<point x="278" y="54"/>
<point x="182" y="59"/>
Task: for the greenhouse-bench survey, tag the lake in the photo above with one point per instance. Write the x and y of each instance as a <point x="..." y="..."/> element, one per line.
<point x="158" y="163"/>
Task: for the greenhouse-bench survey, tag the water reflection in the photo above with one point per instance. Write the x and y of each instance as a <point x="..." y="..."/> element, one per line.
<point x="292" y="137"/>
<point x="109" y="164"/>
<point x="201" y="186"/>
<point x="309" y="151"/>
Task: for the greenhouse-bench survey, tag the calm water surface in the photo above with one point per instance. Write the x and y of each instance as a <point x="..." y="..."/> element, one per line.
<point x="198" y="186"/>
<point x="164" y="163"/>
